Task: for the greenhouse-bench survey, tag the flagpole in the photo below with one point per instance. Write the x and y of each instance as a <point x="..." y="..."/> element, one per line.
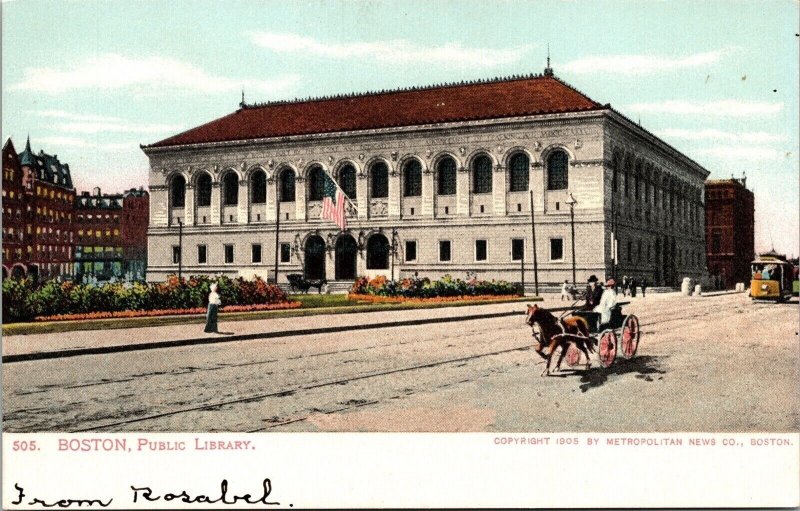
<point x="277" y="227"/>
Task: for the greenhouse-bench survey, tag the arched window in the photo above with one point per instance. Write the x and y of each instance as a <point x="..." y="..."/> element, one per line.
<point x="347" y="180"/>
<point x="316" y="183"/>
<point x="287" y="185"/>
<point x="412" y="179"/>
<point x="203" y="190"/>
<point x="177" y="192"/>
<point x="379" y="177"/>
<point x="230" y="186"/>
<point x="377" y="252"/>
<point x="446" y="176"/>
<point x="518" y="167"/>
<point x="557" y="171"/>
<point x="482" y="174"/>
<point x="258" y="187"/>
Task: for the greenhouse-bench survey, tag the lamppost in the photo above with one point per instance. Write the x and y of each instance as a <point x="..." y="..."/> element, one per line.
<point x="180" y="248"/>
<point x="572" y="203"/>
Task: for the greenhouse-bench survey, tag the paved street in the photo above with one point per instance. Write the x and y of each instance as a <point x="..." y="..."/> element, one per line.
<point x="718" y="363"/>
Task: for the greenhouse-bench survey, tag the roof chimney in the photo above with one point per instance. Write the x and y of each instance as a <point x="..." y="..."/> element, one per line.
<point x="96" y="191"/>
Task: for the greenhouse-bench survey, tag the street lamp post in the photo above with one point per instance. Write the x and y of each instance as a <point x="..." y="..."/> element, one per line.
<point x="572" y="203"/>
<point x="180" y="248"/>
<point x="394" y="249"/>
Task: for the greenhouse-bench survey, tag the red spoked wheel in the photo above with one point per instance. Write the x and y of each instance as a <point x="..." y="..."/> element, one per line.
<point x="608" y="348"/>
<point x="630" y="336"/>
<point x="573" y="355"/>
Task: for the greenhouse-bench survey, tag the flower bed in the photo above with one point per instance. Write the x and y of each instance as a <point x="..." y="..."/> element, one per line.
<point x="167" y="312"/>
<point x="24" y="300"/>
<point x="435" y="299"/>
<point x="425" y="288"/>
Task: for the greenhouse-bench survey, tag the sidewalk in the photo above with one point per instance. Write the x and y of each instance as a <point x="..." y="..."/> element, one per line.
<point x="84" y="342"/>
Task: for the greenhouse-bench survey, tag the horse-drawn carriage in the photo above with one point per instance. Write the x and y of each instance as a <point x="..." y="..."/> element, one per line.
<point x="576" y="333"/>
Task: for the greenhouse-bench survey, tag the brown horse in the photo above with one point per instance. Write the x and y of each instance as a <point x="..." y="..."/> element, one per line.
<point x="554" y="333"/>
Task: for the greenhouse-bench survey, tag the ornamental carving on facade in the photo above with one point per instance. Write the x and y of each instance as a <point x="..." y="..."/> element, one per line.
<point x="378" y="207"/>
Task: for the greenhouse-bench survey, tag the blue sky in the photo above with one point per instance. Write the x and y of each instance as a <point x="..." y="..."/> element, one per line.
<point x="91" y="80"/>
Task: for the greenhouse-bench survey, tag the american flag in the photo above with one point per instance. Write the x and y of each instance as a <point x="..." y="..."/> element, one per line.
<point x="333" y="203"/>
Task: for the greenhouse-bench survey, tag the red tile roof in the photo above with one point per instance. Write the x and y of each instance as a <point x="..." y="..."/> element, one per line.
<point x="541" y="94"/>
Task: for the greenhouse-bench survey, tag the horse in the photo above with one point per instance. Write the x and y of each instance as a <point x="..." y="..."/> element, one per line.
<point x="554" y="333"/>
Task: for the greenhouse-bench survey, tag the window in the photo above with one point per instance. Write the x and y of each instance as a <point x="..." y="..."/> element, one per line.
<point x="202" y="254"/>
<point x="557" y="171"/>
<point x="177" y="191"/>
<point x="716" y="241"/>
<point x="411" y="251"/>
<point x="518" y="172"/>
<point x="379" y="176"/>
<point x="482" y="174"/>
<point x="230" y="185"/>
<point x="480" y="250"/>
<point x="347" y="181"/>
<point x="256" y="253"/>
<point x="228" y="254"/>
<point x="446" y="176"/>
<point x="258" y="187"/>
<point x="176" y="254"/>
<point x="444" y="251"/>
<point x="316" y="183"/>
<point x="556" y="249"/>
<point x="412" y="179"/>
<point x="287" y="185"/>
<point x="286" y="252"/>
<point x="204" y="190"/>
<point x="630" y="251"/>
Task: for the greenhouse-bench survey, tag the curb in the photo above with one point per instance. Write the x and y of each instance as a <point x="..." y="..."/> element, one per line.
<point x="45" y="355"/>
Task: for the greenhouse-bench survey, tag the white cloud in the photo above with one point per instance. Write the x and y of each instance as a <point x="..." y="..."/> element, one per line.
<point x="641" y="64"/>
<point x="727" y="136"/>
<point x="148" y="75"/>
<point x="63" y="142"/>
<point x="114" y="127"/>
<point x="730" y="107"/>
<point x="53" y="144"/>
<point x="61" y="114"/>
<point x="396" y="51"/>
<point x="745" y="153"/>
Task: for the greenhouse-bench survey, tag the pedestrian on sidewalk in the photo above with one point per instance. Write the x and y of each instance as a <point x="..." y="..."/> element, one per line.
<point x="565" y="292"/>
<point x="644" y="287"/>
<point x="213" y="308"/>
<point x="633" y="283"/>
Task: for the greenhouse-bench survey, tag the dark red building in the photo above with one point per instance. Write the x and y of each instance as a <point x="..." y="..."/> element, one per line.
<point x="37" y="214"/>
<point x="730" y="231"/>
<point x="111" y="234"/>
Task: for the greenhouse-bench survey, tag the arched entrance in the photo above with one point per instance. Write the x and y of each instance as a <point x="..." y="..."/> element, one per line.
<point x="17" y="271"/>
<point x="314" y="264"/>
<point x="346" y="250"/>
<point x="378" y="252"/>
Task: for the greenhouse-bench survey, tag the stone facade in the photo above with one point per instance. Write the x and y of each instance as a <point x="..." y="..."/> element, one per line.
<point x="660" y="216"/>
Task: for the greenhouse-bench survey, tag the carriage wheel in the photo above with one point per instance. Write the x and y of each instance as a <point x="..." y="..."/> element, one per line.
<point x="608" y="348"/>
<point x="630" y="336"/>
<point x="573" y="355"/>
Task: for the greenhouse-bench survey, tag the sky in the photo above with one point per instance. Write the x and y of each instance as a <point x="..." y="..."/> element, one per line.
<point x="91" y="80"/>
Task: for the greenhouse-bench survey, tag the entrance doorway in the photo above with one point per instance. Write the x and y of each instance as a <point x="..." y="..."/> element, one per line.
<point x="346" y="250"/>
<point x="314" y="265"/>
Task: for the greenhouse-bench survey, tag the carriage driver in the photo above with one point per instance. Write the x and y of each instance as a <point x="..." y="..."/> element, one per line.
<point x="593" y="294"/>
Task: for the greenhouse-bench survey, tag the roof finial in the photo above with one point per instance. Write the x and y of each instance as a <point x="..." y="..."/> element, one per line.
<point x="548" y="71"/>
<point x="242" y="103"/>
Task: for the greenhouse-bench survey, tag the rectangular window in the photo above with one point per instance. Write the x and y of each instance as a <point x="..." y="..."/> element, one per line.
<point x="480" y="250"/>
<point x="630" y="251"/>
<point x="556" y="249"/>
<point x="444" y="251"/>
<point x="517" y="249"/>
<point x="286" y="252"/>
<point x="202" y="254"/>
<point x="228" y="254"/>
<point x="716" y="241"/>
<point x="256" y="253"/>
<point x="176" y="254"/>
<point x="411" y="251"/>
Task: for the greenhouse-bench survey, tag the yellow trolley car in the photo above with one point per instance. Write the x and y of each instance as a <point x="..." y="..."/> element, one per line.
<point x="771" y="278"/>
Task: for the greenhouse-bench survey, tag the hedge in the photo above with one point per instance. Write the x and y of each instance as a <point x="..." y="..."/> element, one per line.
<point x="416" y="287"/>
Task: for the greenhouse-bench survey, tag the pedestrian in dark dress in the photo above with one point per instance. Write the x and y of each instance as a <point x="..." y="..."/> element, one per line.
<point x="213" y="308"/>
<point x="644" y="287"/>
<point x="633" y="287"/>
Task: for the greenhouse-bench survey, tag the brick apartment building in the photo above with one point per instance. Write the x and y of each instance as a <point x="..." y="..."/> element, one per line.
<point x="46" y="228"/>
<point x="730" y="218"/>
<point x="38" y="200"/>
<point x="111" y="234"/>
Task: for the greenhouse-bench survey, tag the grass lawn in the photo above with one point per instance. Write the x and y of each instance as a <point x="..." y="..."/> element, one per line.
<point x="313" y="304"/>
